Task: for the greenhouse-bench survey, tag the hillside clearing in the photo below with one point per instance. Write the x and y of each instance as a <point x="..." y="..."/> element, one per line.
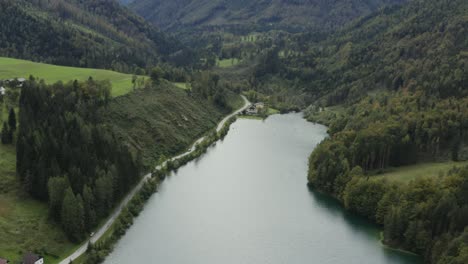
<point x="424" y="170"/>
<point x="225" y="63"/>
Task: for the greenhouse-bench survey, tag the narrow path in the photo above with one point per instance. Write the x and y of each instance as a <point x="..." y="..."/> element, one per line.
<point x="102" y="230"/>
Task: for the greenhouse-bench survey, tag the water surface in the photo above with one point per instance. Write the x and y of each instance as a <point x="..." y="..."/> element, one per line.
<point x="246" y="201"/>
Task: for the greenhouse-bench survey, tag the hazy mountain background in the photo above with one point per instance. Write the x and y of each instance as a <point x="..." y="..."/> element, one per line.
<point x="286" y="14"/>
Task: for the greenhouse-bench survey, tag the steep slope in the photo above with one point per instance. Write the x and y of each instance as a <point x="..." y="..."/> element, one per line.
<point x="420" y="46"/>
<point x="258" y="14"/>
<point x="97" y="34"/>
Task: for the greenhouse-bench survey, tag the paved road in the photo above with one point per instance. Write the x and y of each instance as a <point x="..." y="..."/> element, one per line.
<point x="100" y="232"/>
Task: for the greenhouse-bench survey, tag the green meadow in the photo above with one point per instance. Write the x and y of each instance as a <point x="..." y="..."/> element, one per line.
<point x="224" y="63"/>
<point x="423" y="170"/>
<point x="182" y="85"/>
<point x="14" y="68"/>
<point x="24" y="221"/>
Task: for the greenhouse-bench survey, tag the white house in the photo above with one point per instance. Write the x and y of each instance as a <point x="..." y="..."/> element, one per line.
<point x="2" y="90"/>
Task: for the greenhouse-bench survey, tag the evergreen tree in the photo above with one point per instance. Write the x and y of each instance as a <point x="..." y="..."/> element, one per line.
<point x="89" y="211"/>
<point x="73" y="216"/>
<point x="7" y="134"/>
<point x="12" y="119"/>
<point x="56" y="187"/>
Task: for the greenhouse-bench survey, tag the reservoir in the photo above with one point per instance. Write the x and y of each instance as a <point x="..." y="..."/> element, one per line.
<point x="246" y="201"/>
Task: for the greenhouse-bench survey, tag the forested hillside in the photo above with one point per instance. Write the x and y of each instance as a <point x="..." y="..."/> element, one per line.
<point x="400" y="78"/>
<point x="420" y="46"/>
<point x="85" y="33"/>
<point x="248" y="15"/>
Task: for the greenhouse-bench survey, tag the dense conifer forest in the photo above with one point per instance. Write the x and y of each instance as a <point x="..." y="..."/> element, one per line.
<point x="66" y="156"/>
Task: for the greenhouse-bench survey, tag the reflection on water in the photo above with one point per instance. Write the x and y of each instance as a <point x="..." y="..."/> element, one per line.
<point x="246" y="201"/>
<point x="360" y="226"/>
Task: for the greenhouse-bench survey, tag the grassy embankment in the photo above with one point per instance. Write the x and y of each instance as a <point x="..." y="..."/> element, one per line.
<point x="164" y="121"/>
<point x="14" y="68"/>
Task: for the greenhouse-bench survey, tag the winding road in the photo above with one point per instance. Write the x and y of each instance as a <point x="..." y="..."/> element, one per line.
<point x="102" y="230"/>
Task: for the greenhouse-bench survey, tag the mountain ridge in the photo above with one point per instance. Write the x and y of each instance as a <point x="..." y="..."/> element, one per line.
<point x="96" y="34"/>
<point x="291" y="15"/>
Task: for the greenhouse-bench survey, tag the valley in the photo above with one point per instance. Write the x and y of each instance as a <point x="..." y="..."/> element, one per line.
<point x="117" y="88"/>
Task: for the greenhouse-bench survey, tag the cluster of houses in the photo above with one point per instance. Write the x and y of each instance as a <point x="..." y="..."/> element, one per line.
<point x="29" y="258"/>
<point x="17" y="82"/>
<point x="254" y="109"/>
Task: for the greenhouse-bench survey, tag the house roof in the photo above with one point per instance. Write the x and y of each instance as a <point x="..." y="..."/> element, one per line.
<point x="30" y="258"/>
<point x="21" y="79"/>
<point x="3" y="261"/>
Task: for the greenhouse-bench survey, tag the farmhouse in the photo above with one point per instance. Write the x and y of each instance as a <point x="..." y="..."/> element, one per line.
<point x="2" y="92"/>
<point x="31" y="258"/>
<point x="254" y="108"/>
<point x="3" y="261"/>
<point x="18" y="82"/>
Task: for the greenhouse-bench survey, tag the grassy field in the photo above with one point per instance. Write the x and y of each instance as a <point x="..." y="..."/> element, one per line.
<point x="182" y="85"/>
<point x="24" y="223"/>
<point x="225" y="63"/>
<point x="423" y="170"/>
<point x="14" y="68"/>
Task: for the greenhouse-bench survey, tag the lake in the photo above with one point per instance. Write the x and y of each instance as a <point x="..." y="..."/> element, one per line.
<point x="246" y="201"/>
